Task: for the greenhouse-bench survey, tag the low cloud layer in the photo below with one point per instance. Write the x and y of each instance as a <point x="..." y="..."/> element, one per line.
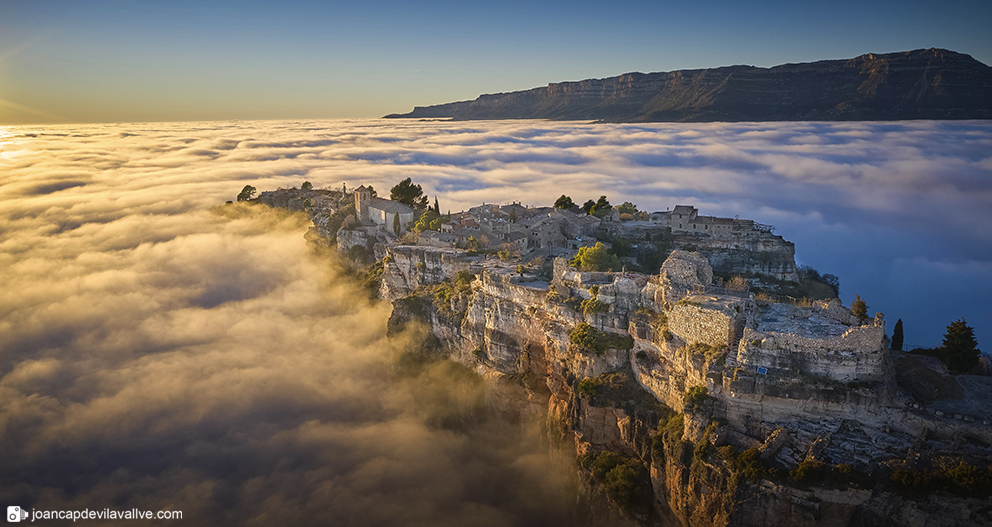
<point x="158" y="352"/>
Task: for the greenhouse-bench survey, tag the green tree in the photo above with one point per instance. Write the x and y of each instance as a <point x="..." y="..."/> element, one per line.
<point x="396" y="224"/>
<point x="627" y="208"/>
<point x="428" y="220"/>
<point x="306" y="186"/>
<point x="602" y="207"/>
<point x="960" y="347"/>
<point x="247" y="193"/>
<point x="372" y="192"/>
<point x="859" y="309"/>
<point x="406" y="192"/>
<point x="588" y="206"/>
<point x="437" y="207"/>
<point x="897" y="336"/>
<point x="622" y="247"/>
<point x="596" y="258"/>
<point x="564" y="202"/>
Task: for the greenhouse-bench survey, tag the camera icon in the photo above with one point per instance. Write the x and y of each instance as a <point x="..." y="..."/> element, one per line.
<point x="15" y="514"/>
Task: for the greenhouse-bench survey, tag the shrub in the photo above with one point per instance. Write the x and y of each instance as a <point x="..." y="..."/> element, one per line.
<point x="675" y="427"/>
<point x="808" y="471"/>
<point x="658" y="446"/>
<point x="617" y="475"/>
<point x="595" y="258"/>
<point x="621" y="486"/>
<point x="696" y="395"/>
<point x="737" y="283"/>
<point x="593" y="305"/>
<point x="750" y="465"/>
<point x="587" y="388"/>
<point x="641" y="355"/>
<point x="727" y="453"/>
<point x="604" y="463"/>
<point x="914" y="480"/>
<point x="587" y="337"/>
<point x="971" y="480"/>
<point x="464" y="278"/>
<point x="702" y="450"/>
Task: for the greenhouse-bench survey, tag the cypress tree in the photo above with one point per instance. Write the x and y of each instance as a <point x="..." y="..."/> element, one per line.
<point x="960" y="347"/>
<point x="437" y="208"/>
<point x="396" y="224"/>
<point x="897" y="336"/>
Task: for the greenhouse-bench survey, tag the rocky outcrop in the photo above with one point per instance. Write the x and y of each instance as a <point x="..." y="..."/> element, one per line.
<point x="919" y="84"/>
<point x="684" y="403"/>
<point x="825" y="391"/>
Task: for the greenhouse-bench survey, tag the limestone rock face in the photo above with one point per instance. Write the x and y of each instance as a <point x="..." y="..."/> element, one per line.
<point x="796" y="382"/>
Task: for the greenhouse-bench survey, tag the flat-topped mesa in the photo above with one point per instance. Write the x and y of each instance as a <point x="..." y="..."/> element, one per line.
<point x="918" y="84"/>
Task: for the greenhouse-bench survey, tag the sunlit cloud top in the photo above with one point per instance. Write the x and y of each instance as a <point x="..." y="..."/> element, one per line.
<point x="882" y="205"/>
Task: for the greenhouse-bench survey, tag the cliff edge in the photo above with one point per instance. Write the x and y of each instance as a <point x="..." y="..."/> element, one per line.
<point x="920" y="84"/>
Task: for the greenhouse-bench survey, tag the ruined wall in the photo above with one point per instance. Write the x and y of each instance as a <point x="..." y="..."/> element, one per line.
<point x="708" y="320"/>
<point x="858" y="354"/>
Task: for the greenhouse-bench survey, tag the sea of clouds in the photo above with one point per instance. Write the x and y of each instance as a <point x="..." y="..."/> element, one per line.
<point x="157" y="351"/>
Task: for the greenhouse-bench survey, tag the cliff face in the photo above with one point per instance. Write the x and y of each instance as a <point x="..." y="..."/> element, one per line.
<point x="920" y="84"/>
<point x="793" y="392"/>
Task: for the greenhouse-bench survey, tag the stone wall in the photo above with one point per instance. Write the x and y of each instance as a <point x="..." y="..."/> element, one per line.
<point x="709" y="320"/>
<point x="858" y="354"/>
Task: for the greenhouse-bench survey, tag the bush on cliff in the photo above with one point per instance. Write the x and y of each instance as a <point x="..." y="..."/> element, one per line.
<point x="695" y="395"/>
<point x="596" y="258"/>
<point x="809" y="471"/>
<point x="586" y="388"/>
<point x="589" y="338"/>
<point x="619" y="476"/>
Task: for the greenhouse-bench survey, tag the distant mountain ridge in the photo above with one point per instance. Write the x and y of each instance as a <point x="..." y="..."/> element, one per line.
<point x="920" y="84"/>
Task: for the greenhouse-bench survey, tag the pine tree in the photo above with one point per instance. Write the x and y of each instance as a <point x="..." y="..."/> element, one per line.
<point x="396" y="224"/>
<point x="960" y="347"/>
<point x="859" y="308"/>
<point x="897" y="336"/>
<point x="564" y="202"/>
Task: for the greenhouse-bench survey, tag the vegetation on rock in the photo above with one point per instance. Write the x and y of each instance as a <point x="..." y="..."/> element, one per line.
<point x="589" y="338"/>
<point x="247" y="193"/>
<point x="596" y="258"/>
<point x="960" y="347"/>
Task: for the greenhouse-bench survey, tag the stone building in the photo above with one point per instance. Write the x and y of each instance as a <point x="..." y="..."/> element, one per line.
<point x="380" y="212"/>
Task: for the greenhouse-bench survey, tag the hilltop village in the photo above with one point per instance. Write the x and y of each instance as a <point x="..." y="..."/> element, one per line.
<point x="695" y="374"/>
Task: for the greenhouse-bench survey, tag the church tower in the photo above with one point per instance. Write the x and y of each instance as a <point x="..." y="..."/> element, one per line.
<point x="362" y="197"/>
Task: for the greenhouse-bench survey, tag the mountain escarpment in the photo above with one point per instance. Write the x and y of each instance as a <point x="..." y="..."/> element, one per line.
<point x="920" y="84"/>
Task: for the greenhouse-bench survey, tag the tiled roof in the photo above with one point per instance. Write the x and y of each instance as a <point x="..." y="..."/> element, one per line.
<point x="392" y="207"/>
